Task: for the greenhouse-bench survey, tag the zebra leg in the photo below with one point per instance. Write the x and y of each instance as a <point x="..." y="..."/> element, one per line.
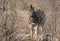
<point x="39" y="33"/>
<point x="32" y="28"/>
<point x="33" y="31"/>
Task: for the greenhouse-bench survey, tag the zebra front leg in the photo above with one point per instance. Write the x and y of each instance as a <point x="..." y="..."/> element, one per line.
<point x="39" y="33"/>
<point x="33" y="32"/>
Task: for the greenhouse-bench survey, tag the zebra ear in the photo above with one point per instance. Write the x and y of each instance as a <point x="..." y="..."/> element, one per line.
<point x="31" y="6"/>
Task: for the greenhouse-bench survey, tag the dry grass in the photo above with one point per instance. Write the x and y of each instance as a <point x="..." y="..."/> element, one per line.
<point x="17" y="19"/>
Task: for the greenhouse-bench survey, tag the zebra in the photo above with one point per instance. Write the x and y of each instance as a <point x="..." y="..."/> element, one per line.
<point x="37" y="18"/>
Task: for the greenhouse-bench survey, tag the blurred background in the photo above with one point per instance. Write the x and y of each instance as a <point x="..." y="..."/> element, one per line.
<point x="14" y="19"/>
